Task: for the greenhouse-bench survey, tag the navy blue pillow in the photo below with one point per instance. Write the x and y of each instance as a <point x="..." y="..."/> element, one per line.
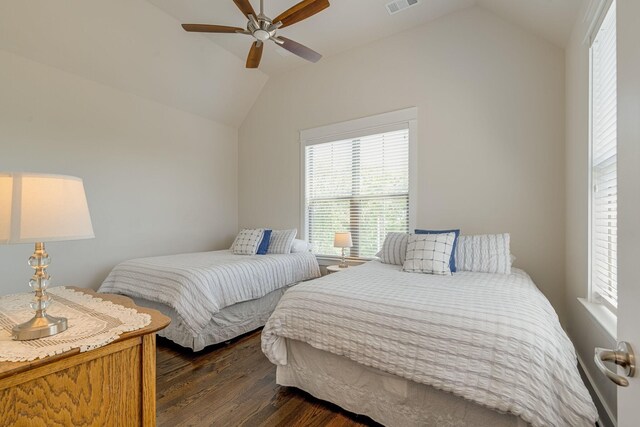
<point x="452" y="260"/>
<point x="264" y="244"/>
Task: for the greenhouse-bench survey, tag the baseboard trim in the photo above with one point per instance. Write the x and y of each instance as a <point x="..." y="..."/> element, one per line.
<point x="611" y="420"/>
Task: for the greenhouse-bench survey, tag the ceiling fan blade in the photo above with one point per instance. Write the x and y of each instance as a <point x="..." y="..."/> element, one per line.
<point x="255" y="54"/>
<point x="300" y="11"/>
<point x="245" y="7"/>
<point x="204" y="28"/>
<point x="301" y="50"/>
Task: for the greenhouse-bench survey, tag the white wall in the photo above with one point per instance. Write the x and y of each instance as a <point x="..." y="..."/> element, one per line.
<point x="490" y="99"/>
<point x="118" y="94"/>
<point x="582" y="328"/>
<point x="158" y="180"/>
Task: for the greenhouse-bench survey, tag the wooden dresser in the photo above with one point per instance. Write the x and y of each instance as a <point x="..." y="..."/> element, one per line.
<point x="114" y="385"/>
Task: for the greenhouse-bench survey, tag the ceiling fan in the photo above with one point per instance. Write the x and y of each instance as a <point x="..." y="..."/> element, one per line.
<point x="263" y="28"/>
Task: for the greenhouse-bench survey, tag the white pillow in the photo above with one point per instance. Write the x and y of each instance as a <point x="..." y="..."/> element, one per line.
<point x="394" y="248"/>
<point x="429" y="253"/>
<point x="247" y="241"/>
<point x="281" y="241"/>
<point x="300" y="246"/>
<point x="488" y="253"/>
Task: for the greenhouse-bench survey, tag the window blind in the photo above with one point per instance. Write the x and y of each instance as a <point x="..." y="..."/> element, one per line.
<point x="604" y="197"/>
<point x="359" y="185"/>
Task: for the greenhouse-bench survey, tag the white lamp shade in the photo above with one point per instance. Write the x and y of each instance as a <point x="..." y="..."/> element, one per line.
<point x="342" y="240"/>
<point x="42" y="208"/>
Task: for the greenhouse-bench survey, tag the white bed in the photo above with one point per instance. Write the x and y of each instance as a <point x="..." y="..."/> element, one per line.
<point x="418" y="349"/>
<point x="213" y="296"/>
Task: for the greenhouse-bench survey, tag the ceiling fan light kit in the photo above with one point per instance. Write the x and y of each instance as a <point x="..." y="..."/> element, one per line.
<point x="262" y="28"/>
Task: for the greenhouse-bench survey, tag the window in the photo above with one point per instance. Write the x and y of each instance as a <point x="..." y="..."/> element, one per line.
<point x="357" y="180"/>
<point x="603" y="159"/>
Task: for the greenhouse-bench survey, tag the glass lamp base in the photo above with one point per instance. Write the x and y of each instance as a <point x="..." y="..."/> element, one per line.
<point x="39" y="327"/>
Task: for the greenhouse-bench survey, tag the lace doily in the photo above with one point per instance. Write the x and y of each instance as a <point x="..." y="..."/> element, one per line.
<point x="92" y="323"/>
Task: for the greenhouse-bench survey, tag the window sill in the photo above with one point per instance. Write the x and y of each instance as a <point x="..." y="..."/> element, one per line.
<point x="607" y="320"/>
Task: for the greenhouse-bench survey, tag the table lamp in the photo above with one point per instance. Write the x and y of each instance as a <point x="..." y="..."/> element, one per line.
<point x="38" y="208"/>
<point x="342" y="240"/>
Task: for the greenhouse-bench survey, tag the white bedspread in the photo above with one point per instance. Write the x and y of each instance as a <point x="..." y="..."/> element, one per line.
<point x="491" y="338"/>
<point x="198" y="285"/>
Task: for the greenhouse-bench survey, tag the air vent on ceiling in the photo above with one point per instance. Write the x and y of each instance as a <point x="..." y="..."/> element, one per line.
<point x="398" y="5"/>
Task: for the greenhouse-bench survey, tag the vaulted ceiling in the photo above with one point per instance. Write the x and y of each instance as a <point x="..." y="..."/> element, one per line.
<point x="138" y="46"/>
<point x="132" y="46"/>
<point x="351" y="23"/>
<point x="550" y="19"/>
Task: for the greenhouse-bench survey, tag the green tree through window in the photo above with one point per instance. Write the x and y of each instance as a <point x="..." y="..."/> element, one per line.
<point x="359" y="185"/>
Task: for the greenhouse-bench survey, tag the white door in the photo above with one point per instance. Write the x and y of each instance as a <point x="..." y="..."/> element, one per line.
<point x="628" y="15"/>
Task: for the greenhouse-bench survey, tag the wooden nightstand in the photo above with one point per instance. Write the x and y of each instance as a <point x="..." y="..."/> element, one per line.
<point x="335" y="268"/>
<point x="111" y="385"/>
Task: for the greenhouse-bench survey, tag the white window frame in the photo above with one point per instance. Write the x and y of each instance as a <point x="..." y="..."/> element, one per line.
<point x="608" y="308"/>
<point x="358" y="128"/>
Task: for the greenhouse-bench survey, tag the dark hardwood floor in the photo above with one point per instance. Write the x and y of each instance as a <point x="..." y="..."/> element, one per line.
<point x="234" y="384"/>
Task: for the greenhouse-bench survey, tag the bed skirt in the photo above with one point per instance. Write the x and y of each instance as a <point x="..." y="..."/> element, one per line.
<point x="385" y="398"/>
<point x="228" y="323"/>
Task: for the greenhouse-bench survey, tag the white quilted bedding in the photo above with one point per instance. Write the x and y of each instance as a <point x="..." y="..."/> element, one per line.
<point x="198" y="285"/>
<point x="491" y="338"/>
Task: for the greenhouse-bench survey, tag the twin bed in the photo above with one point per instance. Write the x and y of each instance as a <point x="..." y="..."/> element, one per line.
<point x="405" y="349"/>
<point x="210" y="297"/>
